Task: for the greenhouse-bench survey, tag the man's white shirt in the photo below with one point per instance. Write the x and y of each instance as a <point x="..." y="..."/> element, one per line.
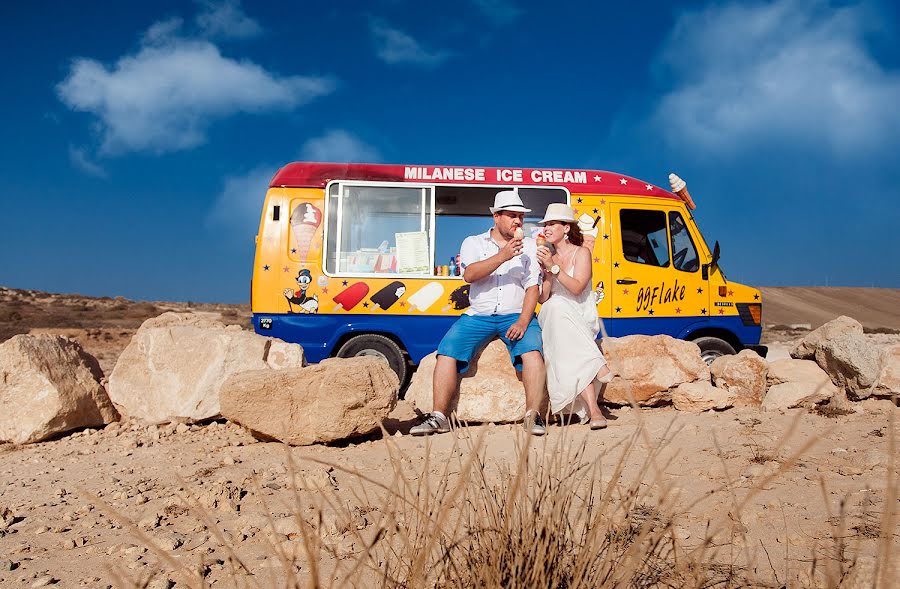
<point x="503" y="291"/>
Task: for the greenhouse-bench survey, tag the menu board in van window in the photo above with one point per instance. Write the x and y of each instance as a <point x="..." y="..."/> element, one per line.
<point x="412" y="252"/>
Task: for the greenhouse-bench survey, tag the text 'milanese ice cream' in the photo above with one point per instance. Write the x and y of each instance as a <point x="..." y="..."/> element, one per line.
<point x="304" y="221"/>
<point x="350" y="296"/>
<point x="425" y="297"/>
<point x="679" y="187"/>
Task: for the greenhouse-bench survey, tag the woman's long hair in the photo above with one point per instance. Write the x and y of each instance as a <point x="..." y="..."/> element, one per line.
<point x="575" y="235"/>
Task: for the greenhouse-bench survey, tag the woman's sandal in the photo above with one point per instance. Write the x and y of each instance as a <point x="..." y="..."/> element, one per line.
<point x="598" y="423"/>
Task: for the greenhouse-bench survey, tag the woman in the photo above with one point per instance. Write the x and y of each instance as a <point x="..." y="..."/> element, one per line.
<point x="568" y="319"/>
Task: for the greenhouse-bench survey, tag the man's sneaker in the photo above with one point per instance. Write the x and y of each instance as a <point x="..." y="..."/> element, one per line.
<point x="534" y="423"/>
<point x="432" y="423"/>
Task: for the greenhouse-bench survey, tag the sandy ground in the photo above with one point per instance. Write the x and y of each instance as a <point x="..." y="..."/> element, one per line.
<point x="62" y="532"/>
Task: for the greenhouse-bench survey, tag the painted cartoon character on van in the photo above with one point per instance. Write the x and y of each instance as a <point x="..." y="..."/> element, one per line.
<point x="599" y="293"/>
<point x="299" y="297"/>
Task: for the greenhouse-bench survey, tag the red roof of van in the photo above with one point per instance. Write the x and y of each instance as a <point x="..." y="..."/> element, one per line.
<point x="317" y="175"/>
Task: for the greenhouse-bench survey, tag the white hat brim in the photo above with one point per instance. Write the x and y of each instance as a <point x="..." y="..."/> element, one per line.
<point x="553" y="218"/>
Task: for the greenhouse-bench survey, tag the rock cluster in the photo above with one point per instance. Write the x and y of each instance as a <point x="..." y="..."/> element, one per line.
<point x="834" y="360"/>
<point x="176" y="370"/>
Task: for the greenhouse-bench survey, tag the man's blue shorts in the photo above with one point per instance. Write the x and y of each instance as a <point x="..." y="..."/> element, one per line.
<point x="471" y="332"/>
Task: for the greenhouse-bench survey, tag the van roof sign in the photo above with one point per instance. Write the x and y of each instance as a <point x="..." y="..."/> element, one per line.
<point x="317" y="175"/>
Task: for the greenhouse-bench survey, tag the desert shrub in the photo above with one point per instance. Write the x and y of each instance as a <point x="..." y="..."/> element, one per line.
<point x="885" y="330"/>
<point x="548" y="518"/>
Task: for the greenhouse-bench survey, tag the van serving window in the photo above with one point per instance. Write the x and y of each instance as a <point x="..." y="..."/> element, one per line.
<point x="364" y="220"/>
<point x="376" y="229"/>
<point x="644" y="237"/>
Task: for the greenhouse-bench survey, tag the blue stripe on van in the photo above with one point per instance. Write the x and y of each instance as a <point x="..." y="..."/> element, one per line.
<point x="420" y="335"/>
<point x="319" y="334"/>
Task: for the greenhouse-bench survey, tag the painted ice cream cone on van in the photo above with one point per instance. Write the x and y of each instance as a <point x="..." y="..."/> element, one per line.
<point x="588" y="226"/>
<point x="304" y="221"/>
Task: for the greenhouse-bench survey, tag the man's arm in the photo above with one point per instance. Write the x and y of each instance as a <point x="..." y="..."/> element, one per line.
<point x="478" y="270"/>
<point x="517" y="329"/>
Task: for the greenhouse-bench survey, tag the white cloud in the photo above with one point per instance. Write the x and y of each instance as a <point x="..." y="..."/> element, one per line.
<point x="83" y="162"/>
<point x="226" y="20"/>
<point x="164" y="97"/>
<point x="393" y="46"/>
<point x="237" y="208"/>
<point x="339" y="146"/>
<point x="500" y="11"/>
<point x="788" y="70"/>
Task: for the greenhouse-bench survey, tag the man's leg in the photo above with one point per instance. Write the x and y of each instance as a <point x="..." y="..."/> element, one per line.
<point x="444" y="383"/>
<point x="534" y="376"/>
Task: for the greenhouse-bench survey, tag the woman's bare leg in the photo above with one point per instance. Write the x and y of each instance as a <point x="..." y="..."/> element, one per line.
<point x="589" y="396"/>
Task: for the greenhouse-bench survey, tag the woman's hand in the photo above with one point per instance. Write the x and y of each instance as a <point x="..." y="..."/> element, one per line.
<point x="545" y="258"/>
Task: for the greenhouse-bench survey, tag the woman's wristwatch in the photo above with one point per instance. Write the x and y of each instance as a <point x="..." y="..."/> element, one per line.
<point x="554" y="269"/>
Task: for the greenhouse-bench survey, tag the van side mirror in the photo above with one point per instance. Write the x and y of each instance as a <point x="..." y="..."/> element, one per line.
<point x="717" y="252"/>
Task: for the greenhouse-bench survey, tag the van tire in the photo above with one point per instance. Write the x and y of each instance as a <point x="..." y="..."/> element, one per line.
<point x="712" y="348"/>
<point x="378" y="346"/>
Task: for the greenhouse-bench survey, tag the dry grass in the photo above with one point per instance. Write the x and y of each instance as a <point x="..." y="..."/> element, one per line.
<point x="550" y="518"/>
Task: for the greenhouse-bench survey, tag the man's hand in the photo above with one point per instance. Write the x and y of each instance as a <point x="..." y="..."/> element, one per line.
<point x="512" y="249"/>
<point x="517" y="330"/>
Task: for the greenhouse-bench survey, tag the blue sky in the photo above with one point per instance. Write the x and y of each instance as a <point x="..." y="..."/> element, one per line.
<point x="139" y="138"/>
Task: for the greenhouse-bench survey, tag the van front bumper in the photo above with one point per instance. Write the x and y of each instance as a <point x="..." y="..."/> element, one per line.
<point x="761" y="350"/>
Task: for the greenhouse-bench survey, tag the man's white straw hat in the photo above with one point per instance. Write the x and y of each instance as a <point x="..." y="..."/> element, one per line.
<point x="508" y="200"/>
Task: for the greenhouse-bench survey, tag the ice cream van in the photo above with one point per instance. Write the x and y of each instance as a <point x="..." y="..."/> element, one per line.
<point x="360" y="259"/>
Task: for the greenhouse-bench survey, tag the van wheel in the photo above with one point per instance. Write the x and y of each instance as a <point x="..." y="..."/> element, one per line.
<point x="377" y="346"/>
<point x="712" y="348"/>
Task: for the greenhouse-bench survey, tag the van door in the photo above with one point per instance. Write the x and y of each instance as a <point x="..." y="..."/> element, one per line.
<point x="657" y="287"/>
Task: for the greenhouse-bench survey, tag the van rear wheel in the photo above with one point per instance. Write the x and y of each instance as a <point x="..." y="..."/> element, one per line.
<point x="712" y="348"/>
<point x="377" y="346"/>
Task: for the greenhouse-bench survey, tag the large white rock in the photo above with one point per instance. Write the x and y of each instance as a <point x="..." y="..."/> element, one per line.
<point x="176" y="363"/>
<point x="788" y="395"/>
<point x="889" y="378"/>
<point x="852" y="362"/>
<point x="49" y="385"/>
<point x="743" y="375"/>
<point x="336" y="399"/>
<point x="489" y="392"/>
<point x="646" y="368"/>
<point x="806" y="348"/>
<point x="796" y="383"/>
<point x="702" y="396"/>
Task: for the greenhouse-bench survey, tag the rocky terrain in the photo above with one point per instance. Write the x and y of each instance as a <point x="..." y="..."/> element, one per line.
<point x="778" y="472"/>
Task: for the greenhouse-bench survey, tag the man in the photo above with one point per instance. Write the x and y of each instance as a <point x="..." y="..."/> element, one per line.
<point x="504" y="275"/>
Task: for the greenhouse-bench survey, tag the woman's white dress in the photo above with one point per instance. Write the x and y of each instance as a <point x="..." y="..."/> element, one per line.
<point x="569" y="327"/>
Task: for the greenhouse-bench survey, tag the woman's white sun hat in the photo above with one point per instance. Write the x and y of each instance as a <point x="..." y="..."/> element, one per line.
<point x="559" y="211"/>
<point x="508" y="200"/>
